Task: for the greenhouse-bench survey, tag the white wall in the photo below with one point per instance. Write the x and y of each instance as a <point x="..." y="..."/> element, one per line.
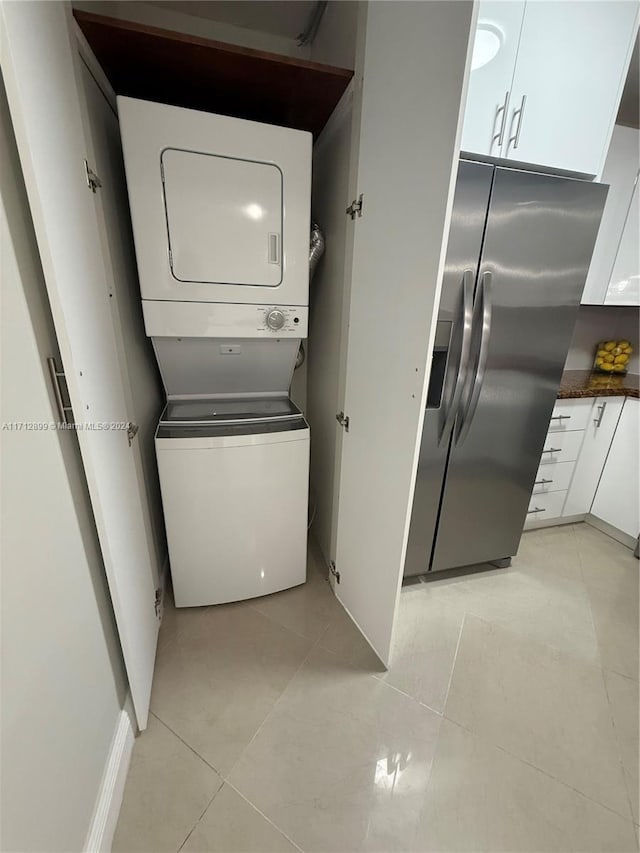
<point x="335" y="41"/>
<point x="63" y="683"/>
<point x="597" y="323"/>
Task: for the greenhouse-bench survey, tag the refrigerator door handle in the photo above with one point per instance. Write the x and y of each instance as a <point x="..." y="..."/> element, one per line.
<point x="466" y="320"/>
<point x="484" y="300"/>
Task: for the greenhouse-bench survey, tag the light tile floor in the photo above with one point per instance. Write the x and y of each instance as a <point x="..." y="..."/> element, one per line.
<point x="507" y="722"/>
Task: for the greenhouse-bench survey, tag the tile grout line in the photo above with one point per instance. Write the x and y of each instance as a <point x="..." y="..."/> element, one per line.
<point x="188" y="745"/>
<point x="483" y="738"/>
<point x="271" y="710"/>
<point x="604" y="680"/>
<point x="402" y="692"/>
<point x="455" y="660"/>
<point x="206" y="808"/>
<point x="618" y="744"/>
<point x="284" y="627"/>
<point x="268" y="819"/>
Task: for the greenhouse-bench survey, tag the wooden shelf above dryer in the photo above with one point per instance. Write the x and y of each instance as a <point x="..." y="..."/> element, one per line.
<point x="186" y="71"/>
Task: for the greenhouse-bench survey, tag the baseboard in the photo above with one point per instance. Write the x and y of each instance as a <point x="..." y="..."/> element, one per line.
<point x="109" y="800"/>
<point x="555" y="522"/>
<point x="610" y="530"/>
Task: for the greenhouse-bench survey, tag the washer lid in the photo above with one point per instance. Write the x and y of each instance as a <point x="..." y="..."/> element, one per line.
<point x="243" y="409"/>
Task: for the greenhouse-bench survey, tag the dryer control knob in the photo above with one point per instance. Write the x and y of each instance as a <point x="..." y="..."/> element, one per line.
<point x="275" y="319"/>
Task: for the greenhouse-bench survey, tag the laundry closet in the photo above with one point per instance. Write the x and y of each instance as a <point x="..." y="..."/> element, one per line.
<point x="210" y="317"/>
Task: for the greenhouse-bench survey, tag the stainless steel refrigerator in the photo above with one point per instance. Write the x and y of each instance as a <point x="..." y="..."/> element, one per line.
<point x="519" y="249"/>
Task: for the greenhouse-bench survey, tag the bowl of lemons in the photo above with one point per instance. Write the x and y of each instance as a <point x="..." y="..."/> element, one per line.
<point x="612" y="357"/>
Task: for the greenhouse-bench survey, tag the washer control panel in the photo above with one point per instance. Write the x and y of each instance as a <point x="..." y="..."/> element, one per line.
<point x="280" y="318"/>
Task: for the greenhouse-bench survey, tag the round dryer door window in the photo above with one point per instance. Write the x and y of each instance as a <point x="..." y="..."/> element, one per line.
<point x="224" y="218"/>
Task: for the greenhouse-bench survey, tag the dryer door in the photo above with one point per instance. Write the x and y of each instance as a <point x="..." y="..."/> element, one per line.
<point x="224" y="218"/>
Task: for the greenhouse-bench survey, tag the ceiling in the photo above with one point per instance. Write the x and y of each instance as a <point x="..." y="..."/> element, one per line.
<point x="286" y="18"/>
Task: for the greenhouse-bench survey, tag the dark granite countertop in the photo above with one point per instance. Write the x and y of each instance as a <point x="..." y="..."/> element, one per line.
<point x="584" y="383"/>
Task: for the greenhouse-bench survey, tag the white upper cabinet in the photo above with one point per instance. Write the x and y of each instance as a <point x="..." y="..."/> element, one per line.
<point x="621" y="173"/>
<point x="624" y="284"/>
<point x="566" y="80"/>
<point x="494" y="58"/>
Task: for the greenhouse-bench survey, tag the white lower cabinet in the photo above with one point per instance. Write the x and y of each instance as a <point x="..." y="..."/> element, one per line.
<point x="616" y="501"/>
<point x="598" y="435"/>
<point x="576" y="449"/>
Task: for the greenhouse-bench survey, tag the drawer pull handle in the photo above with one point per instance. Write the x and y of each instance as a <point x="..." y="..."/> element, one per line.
<point x="536" y="509"/>
<point x="542" y="482"/>
<point x="597" y="421"/>
<point x="561" y="417"/>
<point x="553" y="450"/>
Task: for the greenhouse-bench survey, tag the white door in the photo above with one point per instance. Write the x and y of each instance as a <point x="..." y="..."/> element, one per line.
<point x="38" y="57"/>
<point x="408" y="149"/>
<point x="494" y="58"/>
<point x="624" y="284"/>
<point x="617" y="500"/>
<point x="571" y="67"/>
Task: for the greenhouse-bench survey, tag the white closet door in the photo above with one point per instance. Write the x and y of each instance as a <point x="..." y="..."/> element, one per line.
<point x="571" y="67"/>
<point x="38" y="53"/>
<point x="492" y="67"/>
<point x="408" y="151"/>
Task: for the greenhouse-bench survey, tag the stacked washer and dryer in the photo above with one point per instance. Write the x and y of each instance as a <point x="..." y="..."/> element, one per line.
<point x="221" y="213"/>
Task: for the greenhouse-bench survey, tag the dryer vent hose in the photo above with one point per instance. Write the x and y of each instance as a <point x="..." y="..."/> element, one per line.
<point x="316" y="248"/>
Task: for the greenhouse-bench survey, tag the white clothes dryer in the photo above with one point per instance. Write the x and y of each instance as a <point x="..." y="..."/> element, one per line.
<point x="220" y="206"/>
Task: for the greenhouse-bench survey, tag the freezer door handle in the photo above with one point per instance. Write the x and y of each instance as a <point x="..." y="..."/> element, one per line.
<point x="466" y="321"/>
<point x="482" y="314"/>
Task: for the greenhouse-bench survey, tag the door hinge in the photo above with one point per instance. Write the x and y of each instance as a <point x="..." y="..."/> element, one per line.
<point x="334" y="571"/>
<point x="343" y="420"/>
<point x="93" y="181"/>
<point x="355" y="208"/>
<point x="158" y="602"/>
<point x="132" y="431"/>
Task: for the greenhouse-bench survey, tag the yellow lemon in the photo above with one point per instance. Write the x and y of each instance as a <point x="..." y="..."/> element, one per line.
<point x="624" y="344"/>
<point x="606" y="366"/>
<point x="621" y="359"/>
<point x="608" y="358"/>
<point x="609" y="346"/>
<point x="627" y="350"/>
<point x="617" y="368"/>
<point x="601" y="353"/>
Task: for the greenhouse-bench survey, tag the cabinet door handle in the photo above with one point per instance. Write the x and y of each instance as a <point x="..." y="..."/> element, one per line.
<point x="553" y="450"/>
<point x="542" y="482"/>
<point x="561" y="417"/>
<point x="598" y="420"/>
<point x="499" y="136"/>
<point x="520" y="113"/>
<point x="536" y="509"/>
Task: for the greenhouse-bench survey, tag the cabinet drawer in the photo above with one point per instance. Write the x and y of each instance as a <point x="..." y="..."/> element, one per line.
<point x="569" y="415"/>
<point x="553" y="478"/>
<point x="561" y="447"/>
<point x="543" y="507"/>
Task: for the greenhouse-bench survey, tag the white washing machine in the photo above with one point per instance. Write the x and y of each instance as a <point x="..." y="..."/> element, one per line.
<point x="220" y="206"/>
<point x="234" y="479"/>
